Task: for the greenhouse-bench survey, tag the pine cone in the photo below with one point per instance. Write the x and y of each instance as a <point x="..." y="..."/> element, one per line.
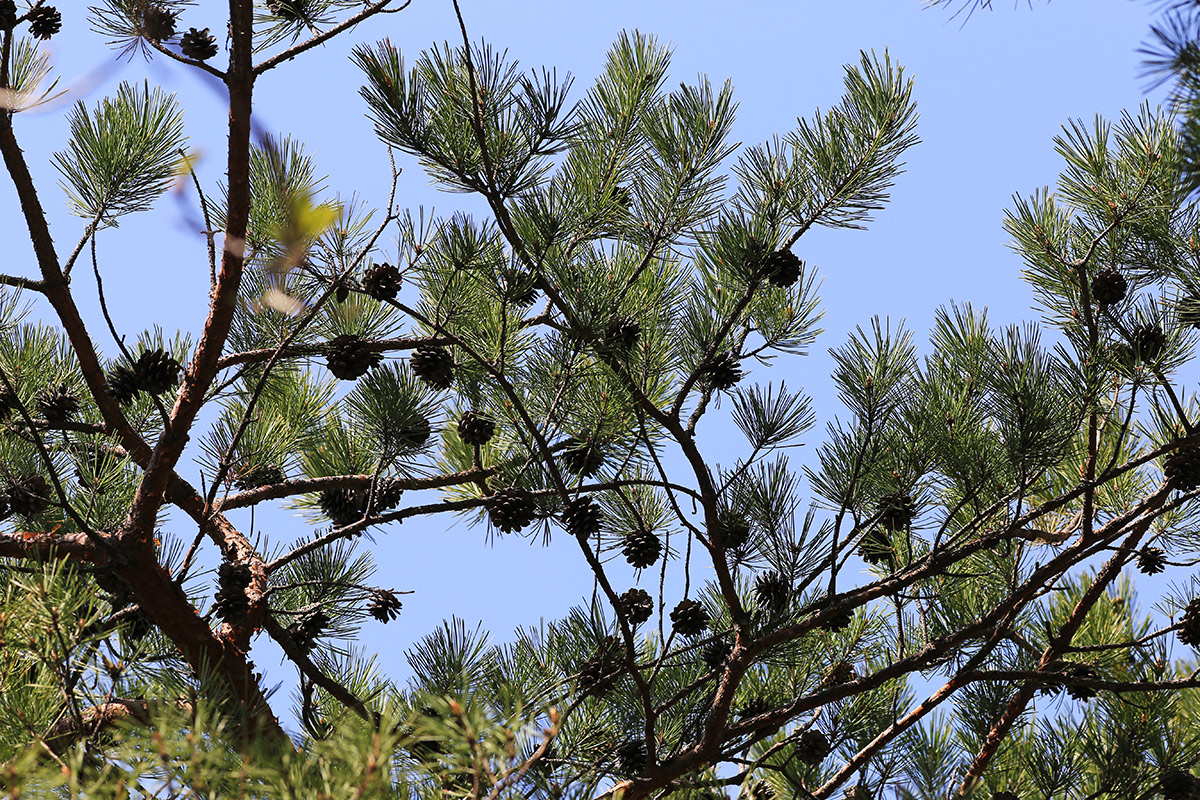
<point x="1109" y="287"/>
<point x="689" y="618"/>
<point x="812" y="747"/>
<point x="1151" y="560"/>
<point x="714" y="653"/>
<point x="156" y="371"/>
<point x="44" y="22"/>
<point x="252" y="476"/>
<point x="857" y="792"/>
<point x="158" y="23"/>
<point x="783" y="268"/>
<point x="307" y="627"/>
<point x="620" y="336"/>
<point x="875" y="547"/>
<point x="382" y="282"/>
<point x="635" y="606"/>
<point x="896" y="511"/>
<point x="732" y="529"/>
<point x="343" y="506"/>
<point x="1178" y="784"/>
<point x="840" y="619"/>
<point x="631" y="757"/>
<point x="349" y="358"/>
<point x="1005" y="796"/>
<point x="409" y="434"/>
<point x="1189" y="630"/>
<point x="1084" y="671"/>
<point x="57" y="404"/>
<point x="642" y="548"/>
<point x="29" y="495"/>
<point x="230" y="600"/>
<point x="475" y="428"/>
<point x="771" y="590"/>
<point x="1182" y="468"/>
<point x="198" y="44"/>
<point x="599" y="674"/>
<point x="510" y="509"/>
<point x="290" y="10"/>
<point x="434" y="365"/>
<point x="384" y="606"/>
<point x="753" y="706"/>
<point x="582" y="518"/>
<point x="582" y="457"/>
<point x="1149" y="341"/>
<point x="123" y="384"/>
<point x="387" y="495"/>
<point x="839" y="673"/>
<point x="721" y="372"/>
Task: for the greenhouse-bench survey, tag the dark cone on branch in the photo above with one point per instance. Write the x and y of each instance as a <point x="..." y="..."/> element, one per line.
<point x="1189" y="624"/>
<point x="252" y="476"/>
<point x="44" y="22"/>
<point x="841" y="619"/>
<point x="875" y="547"/>
<point x="722" y="372"/>
<point x="1149" y="341"/>
<point x="1151" y="560"/>
<point x="771" y="590"/>
<point x="620" y="336"/>
<point x="783" y="268"/>
<point x="1109" y="287"/>
<point x="475" y="428"/>
<point x="520" y="287"/>
<point x="434" y="365"/>
<point x="307" y="627"/>
<point x="384" y="605"/>
<point x="156" y="372"/>
<point x="123" y="384"/>
<point x="1178" y="784"/>
<point x="382" y="282"/>
<point x="582" y="457"/>
<point x="582" y="518"/>
<point x="1005" y="796"/>
<point x="631" y="757"/>
<point x="57" y="404"/>
<point x="753" y="706"/>
<point x="410" y="434"/>
<point x="642" y="548"/>
<point x="198" y="44"/>
<point x="812" y="747"/>
<point x="896" y="511"/>
<point x="732" y="529"/>
<point x="839" y="673"/>
<point x="29" y="495"/>
<point x="714" y="653"/>
<point x="343" y="506"/>
<point x="1085" y="671"/>
<point x="388" y="492"/>
<point x="635" y="606"/>
<point x="349" y="358"/>
<point x="599" y="674"/>
<point x="158" y="23"/>
<point x="230" y="601"/>
<point x="689" y="618"/>
<point x="1182" y="468"/>
<point x="510" y="510"/>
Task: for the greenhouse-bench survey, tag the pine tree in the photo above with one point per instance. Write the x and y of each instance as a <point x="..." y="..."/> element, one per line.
<point x="555" y="371"/>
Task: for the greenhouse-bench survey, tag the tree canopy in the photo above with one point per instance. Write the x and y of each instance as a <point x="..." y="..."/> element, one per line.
<point x="943" y="603"/>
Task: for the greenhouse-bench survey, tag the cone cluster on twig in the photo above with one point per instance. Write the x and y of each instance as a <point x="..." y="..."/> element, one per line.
<point x="599" y="674"/>
<point x="896" y="511"/>
<point x="475" y="428"/>
<point x="1182" y="468"/>
<point x="642" y="548"/>
<point x="771" y="590"/>
<point x="231" y="602"/>
<point x="1109" y="287"/>
<point x="44" y="22"/>
<point x="198" y="43"/>
<point x="384" y="605"/>
<point x="875" y="547"/>
<point x="349" y="358"/>
<point x="1189" y="624"/>
<point x="1178" y="784"/>
<point x="510" y="509"/>
<point x="582" y="518"/>
<point x="28" y="495"/>
<point x="582" y="457"/>
<point x="689" y="618"/>
<point x="812" y="747"/>
<point x="635" y="606"/>
<point x="721" y="372"/>
<point x="1151" y="560"/>
<point x="252" y="476"/>
<point x="157" y="22"/>
<point x="56" y="404"/>
<point x="631" y="757"/>
<point x="782" y="268"/>
<point x="840" y="619"/>
<point x="434" y="365"/>
<point x="123" y="384"/>
<point x="345" y="506"/>
<point x="382" y="281"/>
<point x="309" y="625"/>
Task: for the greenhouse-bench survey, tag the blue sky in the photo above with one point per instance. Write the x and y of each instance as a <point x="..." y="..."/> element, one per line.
<point x="991" y="95"/>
